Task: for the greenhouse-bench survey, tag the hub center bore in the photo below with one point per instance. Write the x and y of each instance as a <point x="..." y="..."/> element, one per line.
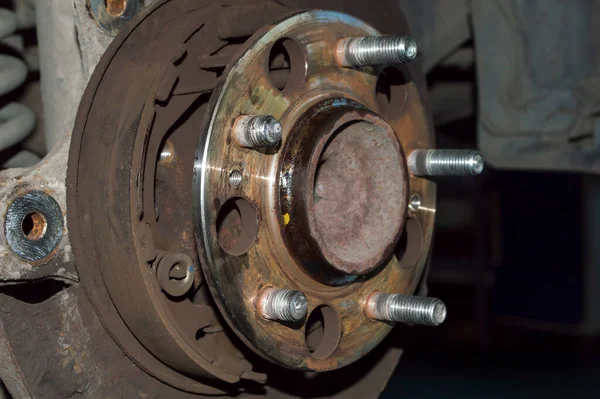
<point x="357" y="211"/>
<point x="348" y="205"/>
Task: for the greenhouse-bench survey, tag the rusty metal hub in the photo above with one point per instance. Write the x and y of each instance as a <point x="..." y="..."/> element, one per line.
<point x="330" y="202"/>
<point x="343" y="183"/>
<point x="178" y="230"/>
<point x="359" y="187"/>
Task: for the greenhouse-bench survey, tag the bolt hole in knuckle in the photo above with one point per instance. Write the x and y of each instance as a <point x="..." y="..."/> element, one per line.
<point x="300" y="184"/>
<point x="111" y="15"/>
<point x="33" y="226"/>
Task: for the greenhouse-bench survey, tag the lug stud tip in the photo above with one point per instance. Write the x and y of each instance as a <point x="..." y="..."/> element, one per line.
<point x="282" y="305"/>
<point x="255" y="131"/>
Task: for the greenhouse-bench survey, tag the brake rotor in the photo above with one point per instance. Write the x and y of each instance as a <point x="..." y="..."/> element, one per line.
<point x="152" y="213"/>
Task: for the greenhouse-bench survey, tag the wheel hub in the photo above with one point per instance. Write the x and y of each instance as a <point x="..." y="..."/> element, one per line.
<point x="326" y="208"/>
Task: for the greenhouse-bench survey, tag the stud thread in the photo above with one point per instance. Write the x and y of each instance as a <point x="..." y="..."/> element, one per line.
<point x="407" y="309"/>
<point x="253" y="131"/>
<point x="445" y="162"/>
<point x="376" y="50"/>
<point x="283" y="305"/>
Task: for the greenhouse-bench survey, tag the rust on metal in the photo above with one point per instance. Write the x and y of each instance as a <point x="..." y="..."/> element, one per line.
<point x="34" y="226"/>
<point x="115" y="7"/>
<point x="130" y="195"/>
<point x="127" y="205"/>
<point x="287" y="251"/>
<point x="356" y="193"/>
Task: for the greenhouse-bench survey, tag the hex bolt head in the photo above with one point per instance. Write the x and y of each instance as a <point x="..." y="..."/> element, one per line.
<point x="406" y="309"/>
<point x="445" y="162"/>
<point x="282" y="305"/>
<point x="376" y="50"/>
<point x="255" y="131"/>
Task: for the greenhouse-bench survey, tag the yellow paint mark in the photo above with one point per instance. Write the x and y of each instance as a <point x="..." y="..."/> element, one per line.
<point x="286" y="219"/>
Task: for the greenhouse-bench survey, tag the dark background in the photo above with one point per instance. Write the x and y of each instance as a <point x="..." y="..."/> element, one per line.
<point x="514" y="259"/>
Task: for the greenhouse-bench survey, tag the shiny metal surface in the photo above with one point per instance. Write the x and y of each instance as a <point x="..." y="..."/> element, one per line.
<point x="415" y="202"/>
<point x="253" y="131"/>
<point x="282" y="305"/>
<point x="406" y="309"/>
<point x="376" y="50"/>
<point x="445" y="163"/>
<point x="33" y="226"/>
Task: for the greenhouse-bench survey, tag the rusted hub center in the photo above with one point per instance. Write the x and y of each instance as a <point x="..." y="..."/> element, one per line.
<point x="348" y="204"/>
<point x="356" y="205"/>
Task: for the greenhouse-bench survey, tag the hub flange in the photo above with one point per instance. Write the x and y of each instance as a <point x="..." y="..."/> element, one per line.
<point x="333" y="118"/>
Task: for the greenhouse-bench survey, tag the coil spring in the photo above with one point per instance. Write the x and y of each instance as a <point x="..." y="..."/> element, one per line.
<point x="16" y="120"/>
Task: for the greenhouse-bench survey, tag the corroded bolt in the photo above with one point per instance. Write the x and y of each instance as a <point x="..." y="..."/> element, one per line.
<point x="282" y="305"/>
<point x="406" y="309"/>
<point x="445" y="162"/>
<point x="251" y="131"/>
<point x="376" y="50"/>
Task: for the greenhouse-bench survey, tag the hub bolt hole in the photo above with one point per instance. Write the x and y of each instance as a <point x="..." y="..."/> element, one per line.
<point x="287" y="65"/>
<point x="323" y="332"/>
<point x="237" y="226"/>
<point x="408" y="250"/>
